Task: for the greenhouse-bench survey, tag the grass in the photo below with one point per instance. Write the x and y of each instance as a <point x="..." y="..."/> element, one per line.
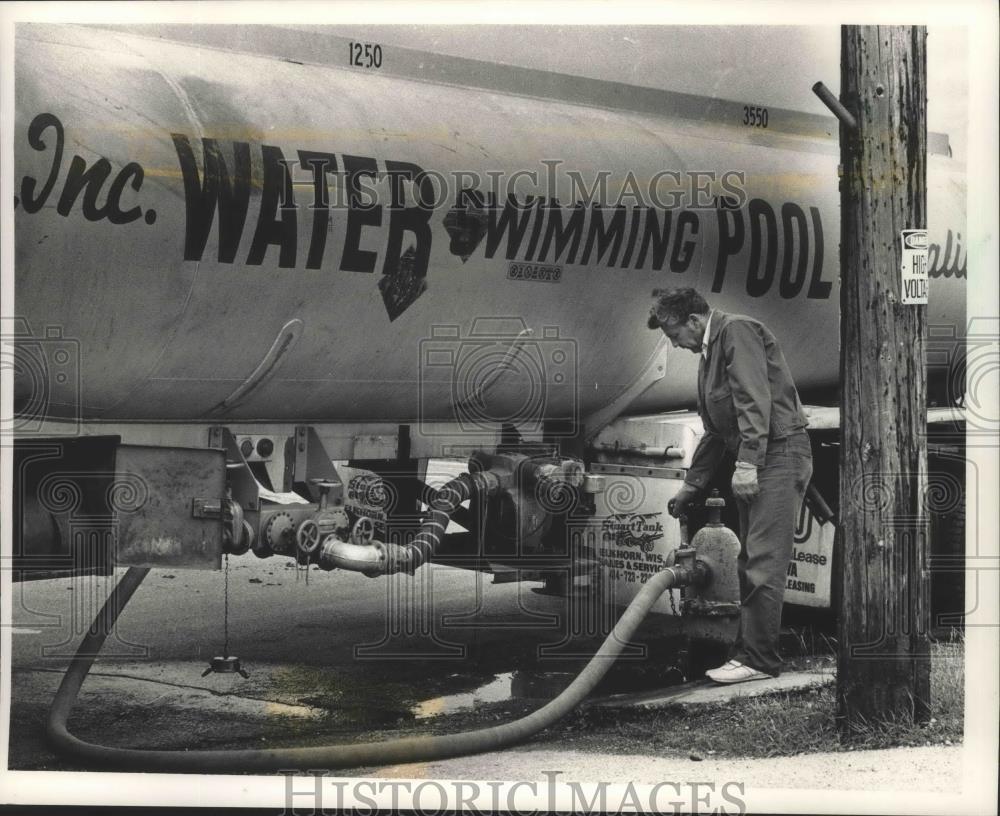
<point x="781" y="724"/>
<point x="947" y="706"/>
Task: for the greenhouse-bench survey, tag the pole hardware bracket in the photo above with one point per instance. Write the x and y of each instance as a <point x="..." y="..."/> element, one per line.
<point x="836" y="107"/>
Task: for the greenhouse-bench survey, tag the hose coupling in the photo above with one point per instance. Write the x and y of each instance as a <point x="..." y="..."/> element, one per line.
<point x="395" y="558"/>
<point x="687" y="568"/>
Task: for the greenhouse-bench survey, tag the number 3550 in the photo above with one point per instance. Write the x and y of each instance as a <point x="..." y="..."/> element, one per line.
<point x="754" y="116"/>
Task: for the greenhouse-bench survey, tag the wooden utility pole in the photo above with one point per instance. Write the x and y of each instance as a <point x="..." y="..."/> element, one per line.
<point x="884" y="660"/>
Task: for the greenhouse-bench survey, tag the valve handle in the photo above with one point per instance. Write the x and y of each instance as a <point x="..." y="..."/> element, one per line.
<point x="307" y="537"/>
<point x="325" y="486"/>
<point x="363" y="531"/>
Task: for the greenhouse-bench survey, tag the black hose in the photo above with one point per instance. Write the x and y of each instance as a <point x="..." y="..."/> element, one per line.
<point x="461" y="515"/>
<point x="408" y="749"/>
<point x="448" y="500"/>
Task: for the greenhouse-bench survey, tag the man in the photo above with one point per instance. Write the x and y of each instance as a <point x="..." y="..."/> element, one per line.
<point x="751" y="411"/>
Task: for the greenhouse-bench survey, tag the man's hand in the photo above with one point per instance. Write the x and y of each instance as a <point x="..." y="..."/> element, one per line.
<point x="677" y="506"/>
<point x="745" y="485"/>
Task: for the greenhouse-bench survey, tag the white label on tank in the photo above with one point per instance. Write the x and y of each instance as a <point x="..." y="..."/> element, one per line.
<point x="914" y="267"/>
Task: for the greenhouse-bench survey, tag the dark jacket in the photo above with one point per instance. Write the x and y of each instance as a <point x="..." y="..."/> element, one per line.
<point x="745" y="395"/>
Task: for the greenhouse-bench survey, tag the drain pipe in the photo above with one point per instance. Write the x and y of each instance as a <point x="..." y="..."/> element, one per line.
<point x="387" y="558"/>
<point x="686" y="571"/>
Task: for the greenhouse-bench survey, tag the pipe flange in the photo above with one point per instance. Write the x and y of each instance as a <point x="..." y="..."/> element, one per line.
<point x="234" y="530"/>
<point x="279" y="534"/>
<point x="247" y="536"/>
<point x="382" y="567"/>
<point x="394" y="558"/>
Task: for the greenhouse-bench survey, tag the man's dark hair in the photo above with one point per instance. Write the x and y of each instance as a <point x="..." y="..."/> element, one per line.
<point x="678" y="304"/>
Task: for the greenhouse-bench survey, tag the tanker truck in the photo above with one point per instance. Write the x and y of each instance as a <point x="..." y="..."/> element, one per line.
<point x="261" y="281"/>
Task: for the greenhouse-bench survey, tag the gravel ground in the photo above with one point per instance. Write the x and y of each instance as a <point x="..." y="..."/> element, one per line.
<point x="934" y="769"/>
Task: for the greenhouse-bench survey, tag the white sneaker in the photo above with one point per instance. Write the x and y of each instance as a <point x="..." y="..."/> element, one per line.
<point x="735" y="672"/>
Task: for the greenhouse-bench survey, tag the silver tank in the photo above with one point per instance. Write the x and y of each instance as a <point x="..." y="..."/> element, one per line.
<point x="168" y="307"/>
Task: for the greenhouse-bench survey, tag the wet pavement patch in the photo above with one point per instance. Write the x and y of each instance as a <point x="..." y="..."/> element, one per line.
<point x="496" y="690"/>
<point x="168" y="704"/>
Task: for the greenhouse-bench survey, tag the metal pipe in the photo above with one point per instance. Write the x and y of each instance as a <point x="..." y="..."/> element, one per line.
<point x="366" y="558"/>
<point x="836" y="107"/>
<point x="409" y="749"/>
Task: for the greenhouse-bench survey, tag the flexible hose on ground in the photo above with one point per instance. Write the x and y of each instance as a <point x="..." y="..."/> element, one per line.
<point x="408" y="749"/>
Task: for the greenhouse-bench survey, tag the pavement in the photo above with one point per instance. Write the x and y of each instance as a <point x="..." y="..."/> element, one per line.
<point x="183" y="708"/>
<point x="184" y="685"/>
<point x="163" y="685"/>
<point x="328" y="658"/>
<point x="300" y="642"/>
<point x="694" y="695"/>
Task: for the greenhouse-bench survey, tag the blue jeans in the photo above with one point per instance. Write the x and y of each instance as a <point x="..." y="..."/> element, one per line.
<point x="767" y="531"/>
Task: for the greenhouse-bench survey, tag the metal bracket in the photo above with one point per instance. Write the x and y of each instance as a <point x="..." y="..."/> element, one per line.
<point x="206" y="508"/>
<point x="314" y="466"/>
<point x="654" y="371"/>
<point x="244" y="485"/>
<point x="638" y="470"/>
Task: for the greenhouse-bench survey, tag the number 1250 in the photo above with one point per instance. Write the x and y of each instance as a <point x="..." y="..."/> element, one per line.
<point x="364" y="55"/>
